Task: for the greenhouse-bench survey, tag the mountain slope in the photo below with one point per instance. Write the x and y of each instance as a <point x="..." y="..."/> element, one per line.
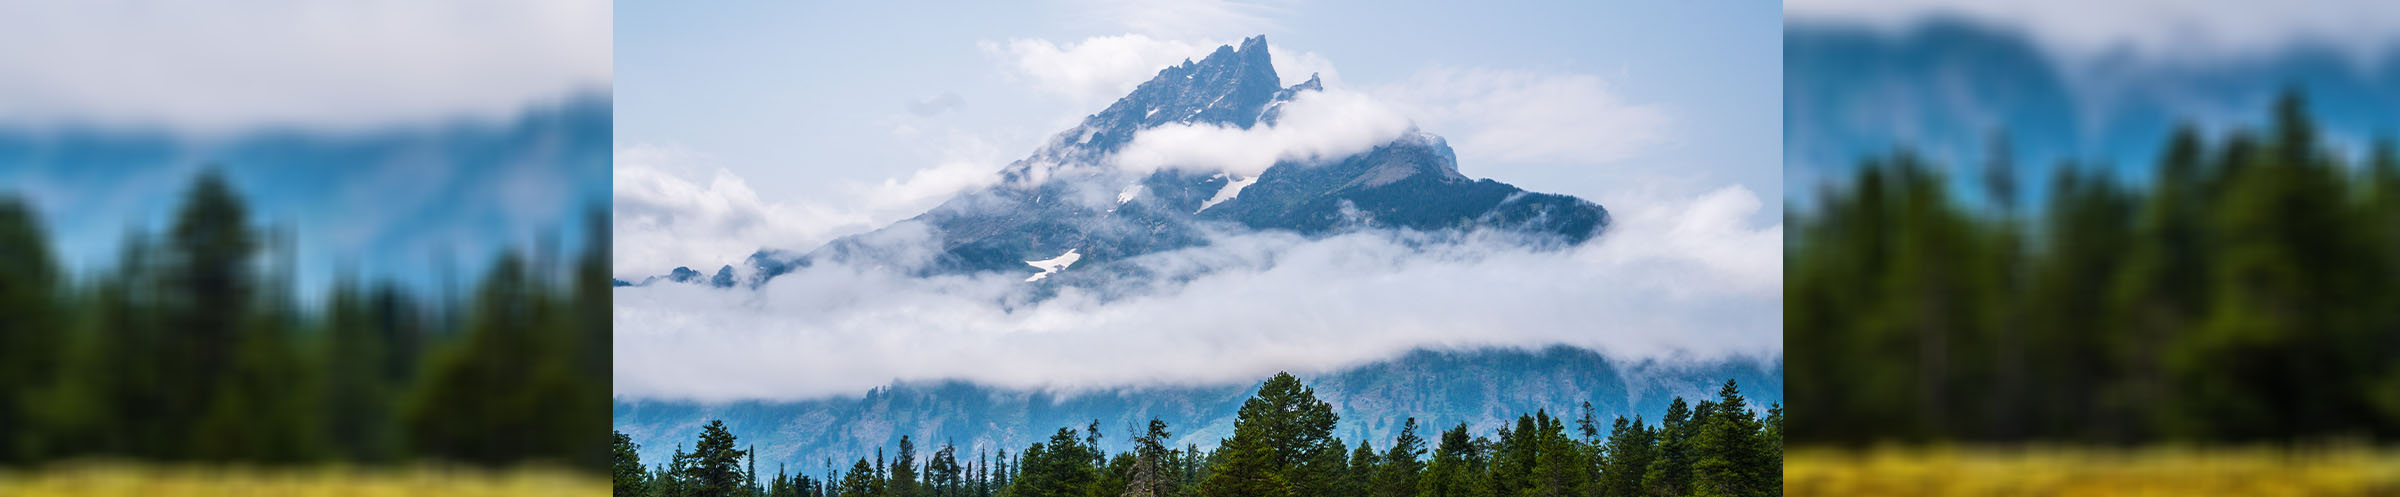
<point x="1485" y="389"/>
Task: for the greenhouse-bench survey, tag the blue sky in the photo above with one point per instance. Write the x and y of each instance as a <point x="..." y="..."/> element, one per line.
<point x="384" y="135"/>
<point x="792" y="122"/>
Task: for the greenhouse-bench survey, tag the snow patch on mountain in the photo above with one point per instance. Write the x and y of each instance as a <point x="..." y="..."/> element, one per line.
<point x="1053" y="265"/>
<point x="1129" y="193"/>
<point x="1233" y="187"/>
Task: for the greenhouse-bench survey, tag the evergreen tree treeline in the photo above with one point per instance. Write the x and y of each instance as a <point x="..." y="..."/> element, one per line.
<point x="1283" y="446"/>
<point x="2249" y="293"/>
<point x="193" y="346"/>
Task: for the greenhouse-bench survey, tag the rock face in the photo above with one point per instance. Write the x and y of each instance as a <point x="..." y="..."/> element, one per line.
<point x="1069" y="195"/>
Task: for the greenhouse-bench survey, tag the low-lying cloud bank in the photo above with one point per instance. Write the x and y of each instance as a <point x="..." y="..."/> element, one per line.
<point x="1675" y="278"/>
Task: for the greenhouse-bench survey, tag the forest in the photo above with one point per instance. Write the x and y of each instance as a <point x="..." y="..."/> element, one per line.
<point x="193" y="346"/>
<point x="2248" y="292"/>
<point x="1282" y="445"/>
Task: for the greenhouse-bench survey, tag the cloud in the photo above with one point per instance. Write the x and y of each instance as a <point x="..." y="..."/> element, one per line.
<point x="924" y="188"/>
<point x="2171" y="30"/>
<point x="216" y="68"/>
<point x="1680" y="279"/>
<point x="1294" y="67"/>
<point x="664" y="219"/>
<point x="1097" y="69"/>
<point x="1524" y="116"/>
<point x="1315" y="125"/>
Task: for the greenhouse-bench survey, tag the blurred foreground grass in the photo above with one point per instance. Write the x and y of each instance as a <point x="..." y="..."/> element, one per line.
<point x="2085" y="471"/>
<point x="105" y="479"/>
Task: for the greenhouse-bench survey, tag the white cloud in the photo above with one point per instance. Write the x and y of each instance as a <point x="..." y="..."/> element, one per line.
<point x="222" y="67"/>
<point x="1523" y="116"/>
<point x="1295" y="67"/>
<point x="665" y="218"/>
<point x="1098" y="69"/>
<point x="925" y="188"/>
<point x="1315" y="125"/>
<point x="1683" y="280"/>
<point x="2161" y="29"/>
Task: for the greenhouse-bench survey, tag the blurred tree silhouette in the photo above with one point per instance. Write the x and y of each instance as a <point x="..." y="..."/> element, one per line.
<point x="30" y="336"/>
<point x="2251" y="292"/>
<point x="194" y="346"/>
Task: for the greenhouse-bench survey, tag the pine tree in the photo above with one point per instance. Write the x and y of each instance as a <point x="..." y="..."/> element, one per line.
<point x="628" y="477"/>
<point x="1361" y="477"/>
<point x="1060" y="469"/>
<point x="860" y="480"/>
<point x="1731" y="458"/>
<point x="1153" y="471"/>
<point x="716" y="469"/>
<point x="942" y="474"/>
<point x="1247" y="471"/>
<point x="1670" y="471"/>
<point x="1454" y="471"/>
<point x="1284" y="430"/>
<point x="1559" y="468"/>
<point x="1630" y="452"/>
<point x="677" y="475"/>
<point x="904" y="470"/>
<point x="1003" y="473"/>
<point x="1514" y="454"/>
<point x="1113" y="479"/>
<point x="1399" y="467"/>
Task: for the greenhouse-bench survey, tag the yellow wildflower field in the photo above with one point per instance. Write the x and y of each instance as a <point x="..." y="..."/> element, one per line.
<point x="192" y="480"/>
<point x="2084" y="471"/>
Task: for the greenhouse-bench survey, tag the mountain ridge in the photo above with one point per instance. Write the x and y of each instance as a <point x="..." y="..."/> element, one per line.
<point x="1069" y="196"/>
<point x="1484" y="388"/>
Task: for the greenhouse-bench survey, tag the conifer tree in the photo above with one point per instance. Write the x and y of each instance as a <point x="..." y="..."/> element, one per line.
<point x="1059" y="469"/>
<point x="904" y="470"/>
<point x="1731" y="458"/>
<point x="860" y="480"/>
<point x="1670" y="471"/>
<point x="1631" y="448"/>
<point x="1396" y="475"/>
<point x="716" y="466"/>
<point x="628" y="479"/>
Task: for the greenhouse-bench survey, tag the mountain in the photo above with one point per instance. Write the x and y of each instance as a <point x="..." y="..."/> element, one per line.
<point x="1070" y="215"/>
<point x="1483" y="388"/>
<point x="1067" y="212"/>
<point x="1944" y="87"/>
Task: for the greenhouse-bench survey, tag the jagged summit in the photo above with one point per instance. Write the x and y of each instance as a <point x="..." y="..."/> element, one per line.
<point x="1229" y="87"/>
<point x="1068" y="197"/>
